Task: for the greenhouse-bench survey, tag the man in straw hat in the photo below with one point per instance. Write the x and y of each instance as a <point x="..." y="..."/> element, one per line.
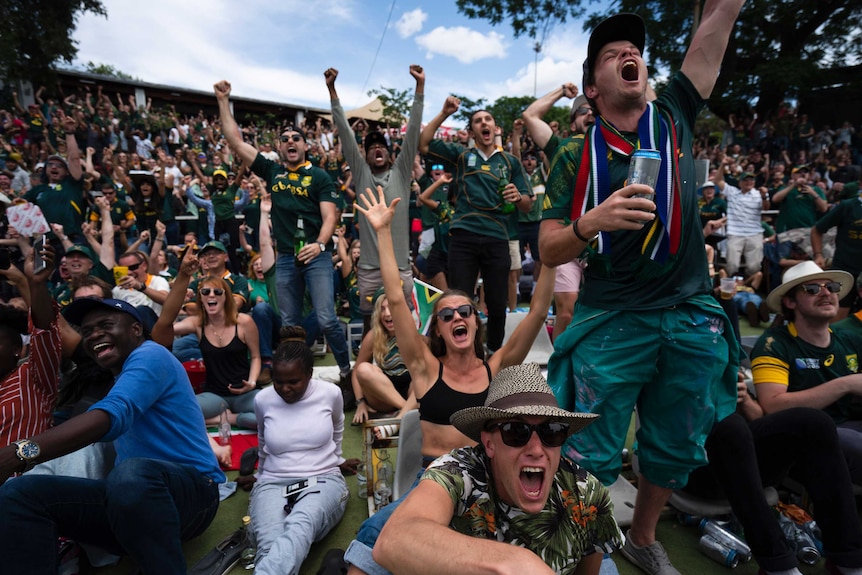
<point x="804" y="363"/>
<point x="646" y="309"/>
<point x="510" y="500"/>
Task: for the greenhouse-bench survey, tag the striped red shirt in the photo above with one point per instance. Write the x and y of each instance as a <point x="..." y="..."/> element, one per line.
<point x="28" y="395"/>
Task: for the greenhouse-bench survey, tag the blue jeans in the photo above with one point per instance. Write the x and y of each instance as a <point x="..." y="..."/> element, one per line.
<point x="284" y="539"/>
<point x="268" y="326"/>
<point x="291" y="283"/>
<point x="145" y="508"/>
<point x="187" y="348"/>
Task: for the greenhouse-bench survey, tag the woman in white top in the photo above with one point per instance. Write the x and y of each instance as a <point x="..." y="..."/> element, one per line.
<point x="300" y="422"/>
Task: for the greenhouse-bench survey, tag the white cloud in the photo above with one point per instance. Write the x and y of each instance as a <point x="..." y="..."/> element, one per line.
<point x="410" y="22"/>
<point x="463" y="44"/>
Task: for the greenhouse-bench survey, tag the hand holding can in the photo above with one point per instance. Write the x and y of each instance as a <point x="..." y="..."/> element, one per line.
<point x="644" y="168"/>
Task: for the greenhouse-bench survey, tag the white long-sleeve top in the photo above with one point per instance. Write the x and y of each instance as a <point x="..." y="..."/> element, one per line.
<point x="301" y="439"/>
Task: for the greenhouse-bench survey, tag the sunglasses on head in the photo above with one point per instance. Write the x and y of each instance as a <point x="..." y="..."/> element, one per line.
<point x="216" y="291"/>
<point x="292" y="137"/>
<point x="814" y="289"/>
<point x="133" y="267"/>
<point x="447" y="314"/>
<point x="518" y="433"/>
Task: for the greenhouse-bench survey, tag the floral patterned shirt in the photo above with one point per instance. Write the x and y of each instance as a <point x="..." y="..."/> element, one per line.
<point x="576" y="521"/>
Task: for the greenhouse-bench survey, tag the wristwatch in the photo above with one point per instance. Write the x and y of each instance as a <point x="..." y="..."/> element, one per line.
<point x="27" y="451"/>
<point x="322" y="246"/>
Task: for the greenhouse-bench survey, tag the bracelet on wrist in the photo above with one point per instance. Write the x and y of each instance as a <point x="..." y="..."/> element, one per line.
<point x="578" y="232"/>
<point x="361" y="400"/>
<point x="818" y="254"/>
<point x="69" y="133"/>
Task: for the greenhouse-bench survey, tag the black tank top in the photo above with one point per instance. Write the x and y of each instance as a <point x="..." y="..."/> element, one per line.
<point x="224" y="364"/>
<point x="441" y="401"/>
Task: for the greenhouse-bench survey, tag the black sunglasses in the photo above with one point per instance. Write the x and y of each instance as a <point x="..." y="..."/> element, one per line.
<point x="518" y="433"/>
<point x="207" y="291"/>
<point x="814" y="289"/>
<point x="293" y="137"/>
<point x="447" y="314"/>
<point x="133" y="267"/>
<point x="583" y="111"/>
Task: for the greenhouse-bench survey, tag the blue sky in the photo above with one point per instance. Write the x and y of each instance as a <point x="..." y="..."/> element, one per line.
<point x="279" y="50"/>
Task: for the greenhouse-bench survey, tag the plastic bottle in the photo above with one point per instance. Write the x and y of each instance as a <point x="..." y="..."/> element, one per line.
<point x="726" y="538"/>
<point x="299" y="240"/>
<point x="806" y="549"/>
<point x="223" y="428"/>
<point x="247" y="556"/>
<point x="718" y="552"/>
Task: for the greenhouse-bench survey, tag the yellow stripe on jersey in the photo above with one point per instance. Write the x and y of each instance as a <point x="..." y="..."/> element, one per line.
<point x="766" y="369"/>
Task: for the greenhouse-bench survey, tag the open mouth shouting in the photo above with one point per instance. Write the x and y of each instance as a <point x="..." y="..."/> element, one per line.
<point x="630" y="71"/>
<point x="460" y="333"/>
<point x="532" y="479"/>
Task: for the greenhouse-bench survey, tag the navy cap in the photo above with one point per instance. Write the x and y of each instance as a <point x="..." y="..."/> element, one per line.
<point x="79" y="308"/>
<point x="375" y="138"/>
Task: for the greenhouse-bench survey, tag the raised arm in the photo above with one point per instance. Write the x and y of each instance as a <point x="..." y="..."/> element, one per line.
<point x="450" y="106"/>
<point x="538" y="129"/>
<point x="264" y="234"/>
<point x="163" y="331"/>
<point x="411" y="345"/>
<point x="73" y="153"/>
<point x="703" y="59"/>
<point x="245" y="151"/>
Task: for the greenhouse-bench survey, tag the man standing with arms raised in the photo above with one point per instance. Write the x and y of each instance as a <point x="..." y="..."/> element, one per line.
<point x="376" y="168"/>
<point x="300" y="191"/>
<point x="647" y="310"/>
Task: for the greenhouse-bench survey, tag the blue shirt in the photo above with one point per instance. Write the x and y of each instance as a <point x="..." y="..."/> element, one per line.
<point x="154" y="413"/>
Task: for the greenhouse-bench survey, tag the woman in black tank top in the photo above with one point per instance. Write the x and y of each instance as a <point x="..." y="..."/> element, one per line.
<point x="449" y="372"/>
<point x="229" y="346"/>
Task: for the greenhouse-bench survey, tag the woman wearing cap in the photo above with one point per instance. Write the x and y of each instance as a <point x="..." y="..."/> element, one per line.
<point x="449" y="372"/>
<point x="229" y="346"/>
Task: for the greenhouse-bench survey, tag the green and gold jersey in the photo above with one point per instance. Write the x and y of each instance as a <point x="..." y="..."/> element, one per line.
<point x="797" y="210"/>
<point x="847" y="217"/>
<point x="781" y="356"/>
<point x="295" y="194"/>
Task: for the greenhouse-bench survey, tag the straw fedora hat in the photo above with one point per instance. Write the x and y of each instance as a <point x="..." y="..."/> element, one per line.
<point x="519" y="390"/>
<point x="803" y="273"/>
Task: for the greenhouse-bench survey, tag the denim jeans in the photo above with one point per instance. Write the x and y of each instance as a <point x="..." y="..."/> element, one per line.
<point x="316" y="275"/>
<point x="268" y="326"/>
<point x="187" y="348"/>
<point x="284" y="539"/>
<point x="145" y="508"/>
<point x="242" y="405"/>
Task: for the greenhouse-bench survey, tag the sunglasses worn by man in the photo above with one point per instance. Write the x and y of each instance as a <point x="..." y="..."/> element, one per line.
<point x="518" y="433"/>
<point x="291" y="138"/>
<point x="814" y="289"/>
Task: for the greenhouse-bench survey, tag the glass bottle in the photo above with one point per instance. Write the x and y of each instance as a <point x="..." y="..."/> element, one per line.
<point x="299" y="240"/>
<point x="506" y="206"/>
<point x="246" y="558"/>
<point x="383" y="484"/>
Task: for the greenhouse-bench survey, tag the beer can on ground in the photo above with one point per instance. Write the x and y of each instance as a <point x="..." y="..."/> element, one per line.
<point x="716" y="551"/>
<point x="727" y="539"/>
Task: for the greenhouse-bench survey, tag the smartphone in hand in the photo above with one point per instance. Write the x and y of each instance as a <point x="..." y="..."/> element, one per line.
<point x="38" y="261"/>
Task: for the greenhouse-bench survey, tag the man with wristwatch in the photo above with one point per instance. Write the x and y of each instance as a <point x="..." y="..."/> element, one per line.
<point x="164" y="487"/>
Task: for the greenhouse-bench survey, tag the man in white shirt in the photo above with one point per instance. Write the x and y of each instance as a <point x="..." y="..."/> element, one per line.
<point x="141" y="289"/>
<point x="744" y="231"/>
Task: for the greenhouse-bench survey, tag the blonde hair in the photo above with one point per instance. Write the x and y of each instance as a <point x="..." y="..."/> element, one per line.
<point x="380" y="342"/>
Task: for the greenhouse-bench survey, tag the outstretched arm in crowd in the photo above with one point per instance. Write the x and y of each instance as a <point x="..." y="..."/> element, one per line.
<point x="450" y="106"/>
<point x="703" y="59"/>
<point x="538" y="129"/>
<point x="164" y="330"/>
<point x="246" y="152"/>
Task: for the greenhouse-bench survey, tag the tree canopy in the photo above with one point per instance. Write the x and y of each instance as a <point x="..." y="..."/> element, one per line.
<point x="37" y="34"/>
<point x="780" y="49"/>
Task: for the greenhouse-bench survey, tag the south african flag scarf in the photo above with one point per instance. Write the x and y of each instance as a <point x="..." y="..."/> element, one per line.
<point x="592" y="186"/>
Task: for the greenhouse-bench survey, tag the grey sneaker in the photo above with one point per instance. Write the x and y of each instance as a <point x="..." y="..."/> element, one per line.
<point x="651" y="559"/>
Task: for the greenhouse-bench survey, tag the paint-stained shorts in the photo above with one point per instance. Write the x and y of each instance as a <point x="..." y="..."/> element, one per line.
<point x="672" y="363"/>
